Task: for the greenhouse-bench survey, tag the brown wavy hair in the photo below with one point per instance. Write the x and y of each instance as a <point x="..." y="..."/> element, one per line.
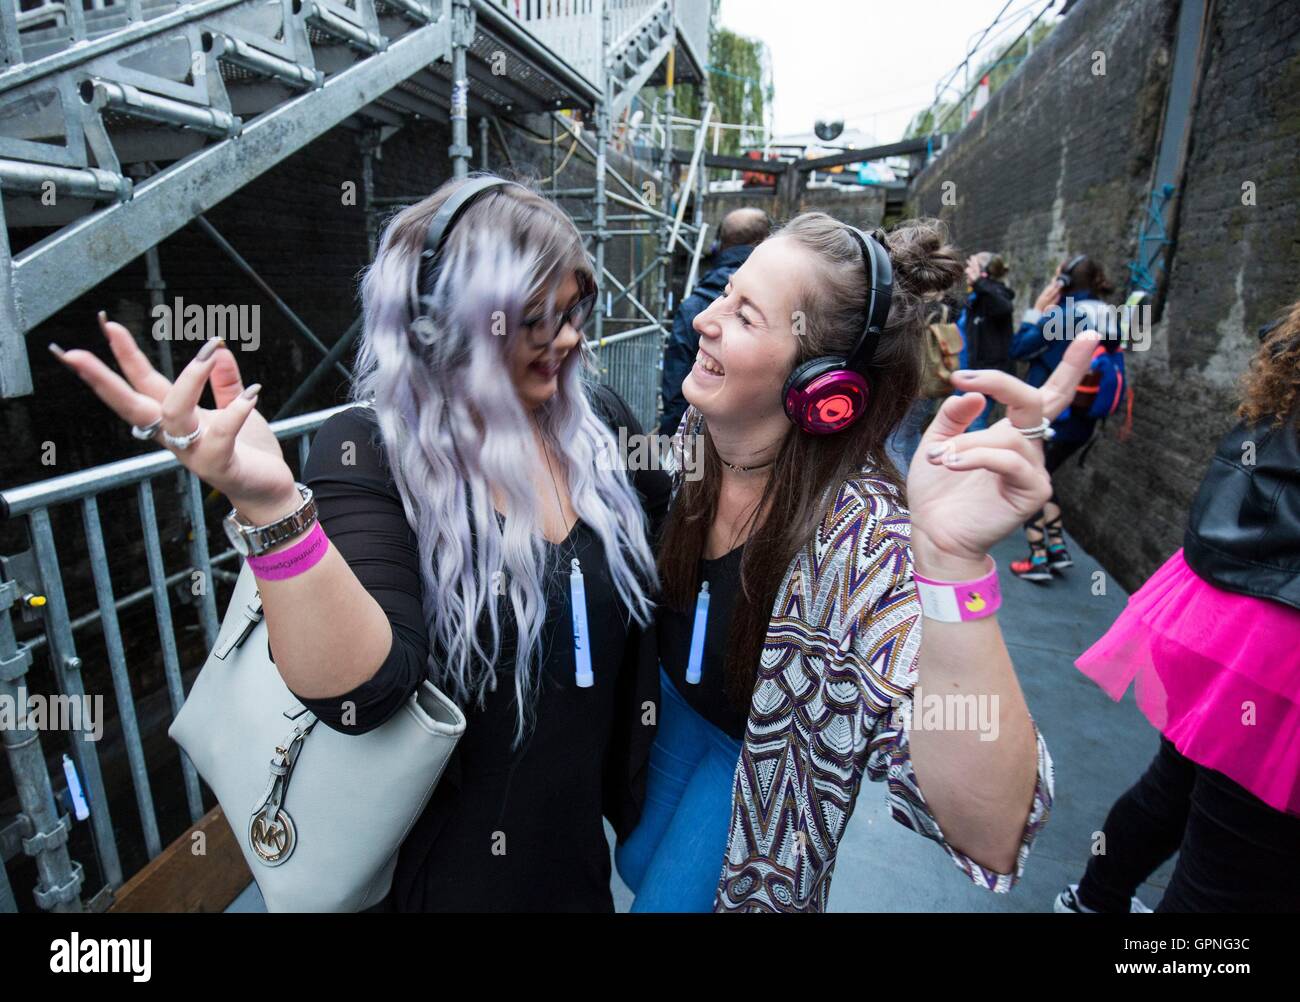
<point x="1270" y="386"/>
<point x="809" y="469"/>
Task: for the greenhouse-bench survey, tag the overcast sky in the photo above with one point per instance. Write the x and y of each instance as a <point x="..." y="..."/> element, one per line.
<point x="874" y="63"/>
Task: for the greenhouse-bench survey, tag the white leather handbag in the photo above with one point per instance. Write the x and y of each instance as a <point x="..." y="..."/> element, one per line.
<point x="319" y="814"/>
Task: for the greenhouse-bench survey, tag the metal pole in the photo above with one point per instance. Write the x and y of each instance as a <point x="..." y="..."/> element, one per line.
<point x="662" y="302"/>
<point x="166" y="634"/>
<point x="305" y="387"/>
<point x="462" y="34"/>
<point x="193" y="502"/>
<point x="270" y="293"/>
<point x="602" y="143"/>
<point x="67" y="671"/>
<point x="156" y="286"/>
<point x="369" y="150"/>
<point x="98" y="554"/>
<point x="483" y="142"/>
<point x="59" y="878"/>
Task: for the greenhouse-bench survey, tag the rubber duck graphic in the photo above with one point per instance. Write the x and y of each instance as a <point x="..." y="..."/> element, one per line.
<point x="976" y="602"/>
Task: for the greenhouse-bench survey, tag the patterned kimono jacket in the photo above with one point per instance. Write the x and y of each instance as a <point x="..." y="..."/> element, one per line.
<point x="832" y="703"/>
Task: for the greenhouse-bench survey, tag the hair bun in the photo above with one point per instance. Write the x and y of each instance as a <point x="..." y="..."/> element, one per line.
<point x="924" y="262"/>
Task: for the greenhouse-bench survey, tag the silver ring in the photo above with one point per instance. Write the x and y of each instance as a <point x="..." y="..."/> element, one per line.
<point x="1043" y="430"/>
<point x="183" y="442"/>
<point x="147" y="432"/>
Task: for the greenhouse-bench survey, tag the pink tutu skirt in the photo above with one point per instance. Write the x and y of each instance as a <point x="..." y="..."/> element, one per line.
<point x="1217" y="673"/>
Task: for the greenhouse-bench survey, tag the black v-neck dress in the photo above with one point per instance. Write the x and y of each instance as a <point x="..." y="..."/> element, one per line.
<point x="507" y="828"/>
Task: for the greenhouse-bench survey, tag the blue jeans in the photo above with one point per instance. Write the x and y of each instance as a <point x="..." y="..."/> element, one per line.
<point x="906" y="438"/>
<point x="673" y="859"/>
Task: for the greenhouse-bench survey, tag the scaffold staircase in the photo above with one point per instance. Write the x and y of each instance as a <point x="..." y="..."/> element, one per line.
<point x="123" y="120"/>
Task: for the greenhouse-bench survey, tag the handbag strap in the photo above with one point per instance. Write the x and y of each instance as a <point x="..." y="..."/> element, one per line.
<point x="282" y="763"/>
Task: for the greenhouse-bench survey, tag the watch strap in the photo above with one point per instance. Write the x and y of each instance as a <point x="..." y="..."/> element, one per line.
<point x="261" y="538"/>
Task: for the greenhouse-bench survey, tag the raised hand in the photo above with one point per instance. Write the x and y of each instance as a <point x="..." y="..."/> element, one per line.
<point x="236" y="452"/>
<point x="975" y="487"/>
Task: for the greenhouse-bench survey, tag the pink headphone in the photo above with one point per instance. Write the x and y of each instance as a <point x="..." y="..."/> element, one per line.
<point x="827" y="394"/>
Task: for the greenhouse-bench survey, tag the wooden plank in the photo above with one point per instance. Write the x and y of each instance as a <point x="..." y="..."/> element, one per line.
<point x="179" y="880"/>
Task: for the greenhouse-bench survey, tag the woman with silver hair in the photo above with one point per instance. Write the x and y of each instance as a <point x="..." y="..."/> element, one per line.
<point x="456" y="500"/>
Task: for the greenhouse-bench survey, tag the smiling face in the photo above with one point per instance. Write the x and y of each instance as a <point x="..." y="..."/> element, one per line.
<point x="534" y="371"/>
<point x="747" y="344"/>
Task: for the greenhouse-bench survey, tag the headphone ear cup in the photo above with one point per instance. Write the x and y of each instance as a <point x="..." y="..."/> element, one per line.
<point x="822" y="396"/>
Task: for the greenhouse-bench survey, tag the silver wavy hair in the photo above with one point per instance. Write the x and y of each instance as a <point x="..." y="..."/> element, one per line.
<point x="434" y="365"/>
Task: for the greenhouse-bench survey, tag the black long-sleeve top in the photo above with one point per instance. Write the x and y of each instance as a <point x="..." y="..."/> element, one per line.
<point x="507" y="829"/>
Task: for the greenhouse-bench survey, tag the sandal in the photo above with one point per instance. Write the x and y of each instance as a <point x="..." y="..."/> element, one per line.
<point x="1058" y="557"/>
<point x="1037" y="567"/>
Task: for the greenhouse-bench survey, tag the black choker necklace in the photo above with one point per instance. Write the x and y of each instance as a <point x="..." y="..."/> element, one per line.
<point x="744" y="469"/>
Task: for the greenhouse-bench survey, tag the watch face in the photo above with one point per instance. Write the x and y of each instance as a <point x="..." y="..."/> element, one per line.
<point x="237" y="538"/>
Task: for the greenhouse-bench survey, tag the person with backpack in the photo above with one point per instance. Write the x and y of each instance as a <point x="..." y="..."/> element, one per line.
<point x="986" y="323"/>
<point x="944" y="354"/>
<point x="1069" y="305"/>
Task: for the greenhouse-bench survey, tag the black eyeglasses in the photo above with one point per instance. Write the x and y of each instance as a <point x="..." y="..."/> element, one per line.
<point x="540" y="334"/>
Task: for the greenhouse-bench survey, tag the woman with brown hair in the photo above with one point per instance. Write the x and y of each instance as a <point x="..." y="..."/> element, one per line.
<point x="795" y="581"/>
<point x="1213" y="642"/>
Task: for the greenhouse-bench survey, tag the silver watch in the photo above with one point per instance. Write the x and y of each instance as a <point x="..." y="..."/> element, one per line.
<point x="253" y="540"/>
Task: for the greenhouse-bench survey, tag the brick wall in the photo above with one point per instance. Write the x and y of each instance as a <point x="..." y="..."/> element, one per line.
<point x="1060" y="162"/>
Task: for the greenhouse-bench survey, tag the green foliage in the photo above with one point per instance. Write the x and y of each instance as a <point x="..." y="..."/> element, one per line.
<point x="740" y="86"/>
<point x="947" y="116"/>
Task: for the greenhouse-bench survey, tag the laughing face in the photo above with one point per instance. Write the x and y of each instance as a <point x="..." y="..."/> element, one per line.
<point x="747" y="345"/>
<point x="534" y="364"/>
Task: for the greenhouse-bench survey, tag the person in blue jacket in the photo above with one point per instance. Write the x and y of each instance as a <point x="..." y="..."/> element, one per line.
<point x="1070" y="304"/>
<point x="741" y="231"/>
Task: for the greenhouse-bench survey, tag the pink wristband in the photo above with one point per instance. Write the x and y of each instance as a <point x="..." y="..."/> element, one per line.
<point x="959" y="601"/>
<point x="301" y="556"/>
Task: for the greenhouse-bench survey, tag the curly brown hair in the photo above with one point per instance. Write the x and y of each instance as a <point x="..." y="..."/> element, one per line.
<point x="1269" y="387"/>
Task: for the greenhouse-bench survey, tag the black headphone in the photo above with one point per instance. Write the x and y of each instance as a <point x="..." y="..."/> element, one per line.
<point x="829" y="393"/>
<point x="1066" y="277"/>
<point x="444" y="220"/>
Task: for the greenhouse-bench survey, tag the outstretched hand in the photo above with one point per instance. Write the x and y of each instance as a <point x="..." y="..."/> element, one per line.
<point x="236" y="451"/>
<point x="966" y="490"/>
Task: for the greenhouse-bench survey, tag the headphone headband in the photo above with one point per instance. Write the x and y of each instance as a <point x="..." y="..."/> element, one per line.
<point x="1066" y="278"/>
<point x="880" y="279"/>
<point x="445" y="219"/>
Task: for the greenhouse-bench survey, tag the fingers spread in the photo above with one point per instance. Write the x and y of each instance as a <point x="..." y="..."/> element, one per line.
<point x="135" y="365"/>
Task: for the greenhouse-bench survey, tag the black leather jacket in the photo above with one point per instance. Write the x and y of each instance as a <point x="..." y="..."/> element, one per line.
<point x="1243" y="534"/>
